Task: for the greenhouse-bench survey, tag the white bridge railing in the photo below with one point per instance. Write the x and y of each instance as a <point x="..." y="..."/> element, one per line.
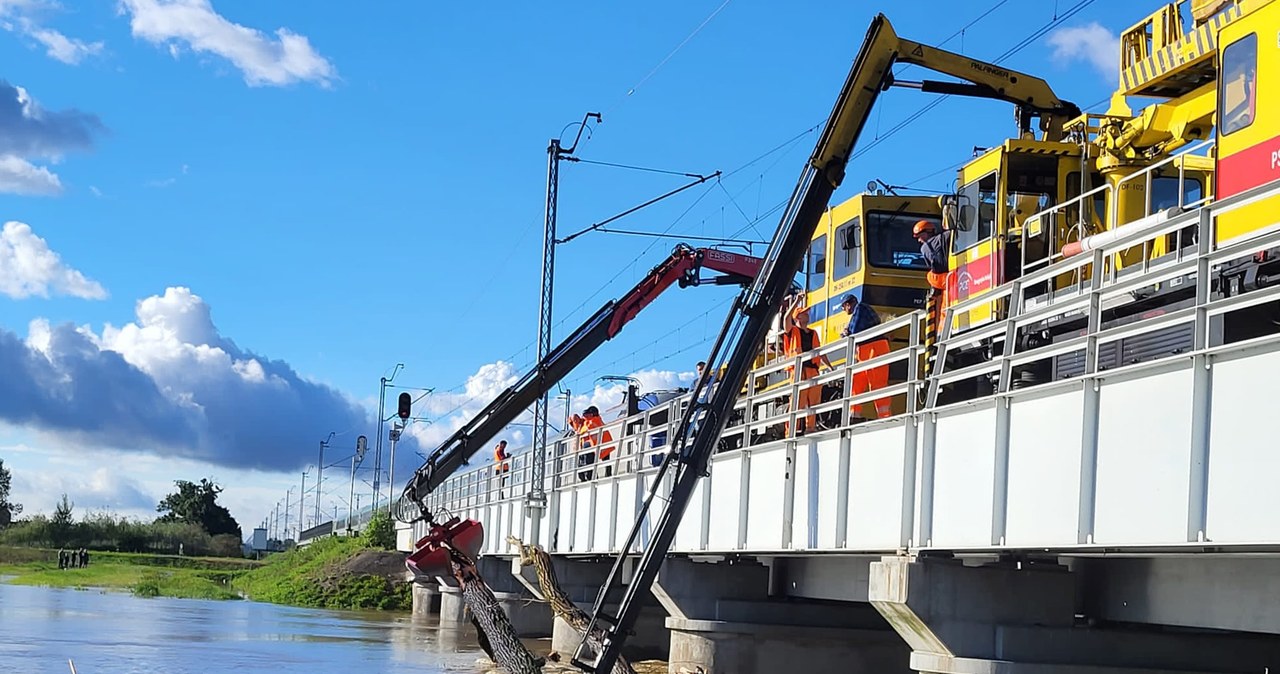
<point x="1162" y="451"/>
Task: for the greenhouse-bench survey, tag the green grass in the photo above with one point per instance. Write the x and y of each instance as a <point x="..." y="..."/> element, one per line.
<point x="309" y="577"/>
<point x="144" y="575"/>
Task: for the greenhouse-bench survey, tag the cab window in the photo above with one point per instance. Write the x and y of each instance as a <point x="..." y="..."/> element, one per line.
<point x="890" y="242"/>
<point x="817" y="266"/>
<point x="847" y="256"/>
<point x="1239" y="84"/>
<point x="977" y="213"/>
<point x="1164" y="192"/>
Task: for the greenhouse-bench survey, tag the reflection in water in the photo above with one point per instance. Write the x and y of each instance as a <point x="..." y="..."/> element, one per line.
<point x="115" y="633"/>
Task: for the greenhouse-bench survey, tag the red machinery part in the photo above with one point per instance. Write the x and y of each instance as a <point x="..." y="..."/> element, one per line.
<point x="431" y="554"/>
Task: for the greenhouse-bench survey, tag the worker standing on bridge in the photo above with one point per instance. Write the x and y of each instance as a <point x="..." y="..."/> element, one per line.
<point x="798" y="339"/>
<point x="863" y="317"/>
<point x="934" y="245"/>
<point x="501" y="465"/>
<point x="590" y="435"/>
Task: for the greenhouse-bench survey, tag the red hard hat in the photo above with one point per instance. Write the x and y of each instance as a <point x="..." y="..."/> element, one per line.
<point x="922" y="226"/>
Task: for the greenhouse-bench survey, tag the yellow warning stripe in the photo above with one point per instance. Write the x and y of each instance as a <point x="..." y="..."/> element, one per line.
<point x="1192" y="47"/>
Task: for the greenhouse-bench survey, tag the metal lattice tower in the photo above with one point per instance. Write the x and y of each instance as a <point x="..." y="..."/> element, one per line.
<point x="536" y="499"/>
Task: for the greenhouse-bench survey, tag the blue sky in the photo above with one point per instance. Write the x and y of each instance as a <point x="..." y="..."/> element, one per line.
<point x="237" y="216"/>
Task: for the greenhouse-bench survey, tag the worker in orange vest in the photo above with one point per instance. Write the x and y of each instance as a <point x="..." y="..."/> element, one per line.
<point x="501" y="460"/>
<point x="590" y="436"/>
<point x="934" y="245"/>
<point x="798" y="339"/>
<point x="863" y="317"/>
<point x="501" y="466"/>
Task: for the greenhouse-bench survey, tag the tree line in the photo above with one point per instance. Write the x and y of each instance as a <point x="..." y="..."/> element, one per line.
<point x="191" y="522"/>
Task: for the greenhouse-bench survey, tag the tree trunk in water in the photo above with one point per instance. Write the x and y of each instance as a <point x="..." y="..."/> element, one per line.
<point x="504" y="645"/>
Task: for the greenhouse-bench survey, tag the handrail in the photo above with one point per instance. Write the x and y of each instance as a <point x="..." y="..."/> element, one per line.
<point x="636" y="438"/>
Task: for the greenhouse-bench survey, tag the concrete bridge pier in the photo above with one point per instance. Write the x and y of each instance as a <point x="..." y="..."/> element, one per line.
<point x="581" y="581"/>
<point x="530" y="616"/>
<point x="722" y="620"/>
<point x="426" y="596"/>
<point x="1023" y="617"/>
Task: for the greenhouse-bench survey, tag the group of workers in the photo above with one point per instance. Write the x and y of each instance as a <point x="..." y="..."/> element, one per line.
<point x="73" y="559"/>
<point x="589" y="427"/>
<point x="797" y="339"/>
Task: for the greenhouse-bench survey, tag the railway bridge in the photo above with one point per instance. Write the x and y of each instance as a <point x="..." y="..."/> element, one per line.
<point x="1099" y="503"/>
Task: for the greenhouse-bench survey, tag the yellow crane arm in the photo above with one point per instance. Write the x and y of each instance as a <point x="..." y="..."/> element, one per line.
<point x="883" y="48"/>
<point x="1162" y="127"/>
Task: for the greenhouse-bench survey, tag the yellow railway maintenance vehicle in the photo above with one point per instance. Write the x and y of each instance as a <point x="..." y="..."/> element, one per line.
<point x="1215" y="135"/>
<point x="863" y="247"/>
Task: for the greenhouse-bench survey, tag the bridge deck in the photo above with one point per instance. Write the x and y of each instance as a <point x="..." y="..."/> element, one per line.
<point x="1119" y="450"/>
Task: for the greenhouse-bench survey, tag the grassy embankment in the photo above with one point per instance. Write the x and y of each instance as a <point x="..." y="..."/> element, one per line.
<point x="336" y="573"/>
<point x="143" y="574"/>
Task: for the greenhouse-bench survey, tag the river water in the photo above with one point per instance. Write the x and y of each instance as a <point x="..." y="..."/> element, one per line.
<point x="117" y="633"/>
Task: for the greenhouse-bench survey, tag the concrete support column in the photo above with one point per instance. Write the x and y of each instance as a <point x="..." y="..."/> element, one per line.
<point x="723" y="621"/>
<point x="426" y="597"/>
<point x="581" y="582"/>
<point x="530" y="616"/>
<point x="722" y="647"/>
<point x="1014" y="618"/>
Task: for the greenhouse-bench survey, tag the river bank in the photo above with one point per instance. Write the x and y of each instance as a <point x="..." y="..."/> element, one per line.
<point x="334" y="573"/>
<point x="142" y="574"/>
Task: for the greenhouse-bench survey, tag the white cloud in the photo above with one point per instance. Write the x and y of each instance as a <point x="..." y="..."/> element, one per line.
<point x="28" y="268"/>
<point x="27" y="131"/>
<point x="62" y="48"/>
<point x="19" y="176"/>
<point x="23" y="16"/>
<point x="265" y="61"/>
<point x="168" y="384"/>
<point x="1091" y="43"/>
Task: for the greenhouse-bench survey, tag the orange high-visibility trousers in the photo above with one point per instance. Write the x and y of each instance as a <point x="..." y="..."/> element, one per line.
<point x="870" y="380"/>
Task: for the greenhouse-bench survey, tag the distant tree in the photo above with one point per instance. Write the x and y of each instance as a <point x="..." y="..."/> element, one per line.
<point x="380" y="532"/>
<point x="61" y="525"/>
<point x="8" y="509"/>
<point x="198" y="504"/>
<point x="62" y="512"/>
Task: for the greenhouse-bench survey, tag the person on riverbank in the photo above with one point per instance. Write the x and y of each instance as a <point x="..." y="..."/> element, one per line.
<point x="62" y="558"/>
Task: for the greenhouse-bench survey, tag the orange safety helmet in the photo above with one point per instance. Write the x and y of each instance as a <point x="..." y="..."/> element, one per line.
<point x="922" y="226"/>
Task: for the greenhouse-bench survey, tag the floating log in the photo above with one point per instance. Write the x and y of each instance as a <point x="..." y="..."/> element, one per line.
<point x="561" y="605"/>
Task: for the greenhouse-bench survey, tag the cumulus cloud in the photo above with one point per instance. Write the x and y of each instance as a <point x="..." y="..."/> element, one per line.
<point x="24" y="17"/>
<point x="28" y="131"/>
<point x="19" y="176"/>
<point x="168" y="384"/>
<point x="264" y="60"/>
<point x="1092" y="43"/>
<point x="29" y="268"/>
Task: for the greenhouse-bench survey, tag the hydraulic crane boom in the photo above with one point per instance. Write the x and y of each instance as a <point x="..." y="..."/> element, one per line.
<point x="748" y="322"/>
<point x="681" y="268"/>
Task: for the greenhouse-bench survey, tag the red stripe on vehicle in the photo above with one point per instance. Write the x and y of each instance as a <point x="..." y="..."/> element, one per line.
<point x="1248" y="168"/>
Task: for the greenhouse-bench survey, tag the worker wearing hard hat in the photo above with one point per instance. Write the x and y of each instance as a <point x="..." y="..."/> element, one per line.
<point x="863" y="317"/>
<point x="933" y="246"/>
<point x="799" y="339"/>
